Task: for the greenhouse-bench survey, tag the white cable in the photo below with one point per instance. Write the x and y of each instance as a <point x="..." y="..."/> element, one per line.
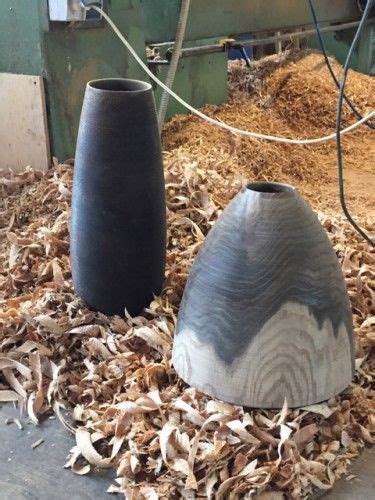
<point x="225" y="126"/>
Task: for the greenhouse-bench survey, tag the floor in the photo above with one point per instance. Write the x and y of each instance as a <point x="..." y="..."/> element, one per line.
<point x="27" y="473"/>
<point x="362" y="486"/>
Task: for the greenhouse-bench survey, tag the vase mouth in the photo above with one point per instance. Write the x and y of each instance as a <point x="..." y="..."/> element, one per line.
<point x="274" y="189"/>
<point x="119" y="85"/>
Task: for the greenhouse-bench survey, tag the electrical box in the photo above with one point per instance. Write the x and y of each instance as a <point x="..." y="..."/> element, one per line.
<point x="71" y="11"/>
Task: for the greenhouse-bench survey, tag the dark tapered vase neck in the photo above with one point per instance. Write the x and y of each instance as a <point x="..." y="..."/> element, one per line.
<point x="274" y="190"/>
<point x="119" y="85"/>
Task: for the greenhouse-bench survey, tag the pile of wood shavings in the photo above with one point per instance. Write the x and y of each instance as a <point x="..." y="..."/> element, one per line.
<point x="298" y="87"/>
<point x="126" y="406"/>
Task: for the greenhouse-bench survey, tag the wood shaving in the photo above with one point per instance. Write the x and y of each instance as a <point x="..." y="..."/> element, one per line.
<point x="14" y="420"/>
<point x="37" y="443"/>
<point x="110" y="379"/>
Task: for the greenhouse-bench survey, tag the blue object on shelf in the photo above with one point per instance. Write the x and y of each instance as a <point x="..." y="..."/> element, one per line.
<point x="236" y="54"/>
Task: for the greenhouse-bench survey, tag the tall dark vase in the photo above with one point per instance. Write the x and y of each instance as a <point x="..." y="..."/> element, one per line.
<point x="265" y="313"/>
<point x="118" y="229"/>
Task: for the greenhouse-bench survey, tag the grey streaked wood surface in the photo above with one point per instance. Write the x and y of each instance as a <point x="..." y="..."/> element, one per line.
<point x="265" y="313"/>
<point x="301" y="362"/>
<point x="39" y="474"/>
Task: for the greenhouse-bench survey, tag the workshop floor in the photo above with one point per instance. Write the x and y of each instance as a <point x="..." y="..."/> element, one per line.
<point x="38" y="474"/>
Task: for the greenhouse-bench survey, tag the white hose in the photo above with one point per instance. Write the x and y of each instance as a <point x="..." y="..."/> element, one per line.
<point x="172" y="68"/>
<point x="225" y="126"/>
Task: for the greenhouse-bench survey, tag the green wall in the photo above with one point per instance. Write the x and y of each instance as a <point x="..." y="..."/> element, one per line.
<point x="210" y="18"/>
<point x="67" y="57"/>
<point x="338" y="44"/>
<point x="21" y="46"/>
<point x="75" y="56"/>
<point x="199" y="80"/>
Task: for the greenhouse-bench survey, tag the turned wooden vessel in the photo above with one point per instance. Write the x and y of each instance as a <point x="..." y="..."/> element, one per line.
<point x="265" y="313"/>
<point x="118" y="230"/>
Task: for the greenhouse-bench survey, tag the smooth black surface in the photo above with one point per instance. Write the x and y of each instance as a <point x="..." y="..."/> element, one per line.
<point x="118" y="232"/>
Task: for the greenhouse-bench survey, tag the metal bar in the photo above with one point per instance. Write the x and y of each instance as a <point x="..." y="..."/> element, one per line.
<point x="196" y="51"/>
<point x="278" y="43"/>
<point x="301" y="34"/>
<point x="157" y="62"/>
<point x="213" y="48"/>
<point x="244" y="54"/>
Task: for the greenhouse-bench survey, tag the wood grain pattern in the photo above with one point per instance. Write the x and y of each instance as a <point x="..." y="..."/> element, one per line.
<point x="290" y="357"/>
<point x="265" y="313"/>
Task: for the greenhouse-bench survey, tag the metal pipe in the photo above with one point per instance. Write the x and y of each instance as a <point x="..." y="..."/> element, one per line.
<point x="214" y="48"/>
<point x="158" y="62"/>
<point x="299" y="34"/>
<point x="180" y="34"/>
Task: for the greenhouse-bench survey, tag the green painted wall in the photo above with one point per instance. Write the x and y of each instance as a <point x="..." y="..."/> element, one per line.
<point x="210" y="18"/>
<point x="20" y="41"/>
<point x="338" y="44"/>
<point x="67" y="57"/>
<point x="199" y="80"/>
<point x="74" y="56"/>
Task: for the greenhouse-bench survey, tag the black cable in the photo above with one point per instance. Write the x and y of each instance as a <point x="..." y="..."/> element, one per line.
<point x="241" y="48"/>
<point x="323" y="49"/>
<point x="338" y="123"/>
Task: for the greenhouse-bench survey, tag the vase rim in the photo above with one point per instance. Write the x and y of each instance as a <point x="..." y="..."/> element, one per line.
<point x="271" y="189"/>
<point x="119" y="85"/>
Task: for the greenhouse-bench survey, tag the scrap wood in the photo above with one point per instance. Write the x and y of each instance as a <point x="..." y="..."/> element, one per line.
<point x="14" y="420"/>
<point x="110" y="379"/>
<point x="37" y="443"/>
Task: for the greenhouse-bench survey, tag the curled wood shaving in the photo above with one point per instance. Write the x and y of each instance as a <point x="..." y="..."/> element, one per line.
<point x="14" y="420"/>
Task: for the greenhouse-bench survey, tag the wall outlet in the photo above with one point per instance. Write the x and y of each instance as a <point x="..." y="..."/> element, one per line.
<point x="70" y="11"/>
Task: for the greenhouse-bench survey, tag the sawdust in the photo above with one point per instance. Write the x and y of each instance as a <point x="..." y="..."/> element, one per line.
<point x="127" y="407"/>
<point x="290" y="95"/>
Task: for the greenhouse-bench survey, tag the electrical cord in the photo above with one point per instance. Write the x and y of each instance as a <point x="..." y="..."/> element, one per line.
<point x="256" y="135"/>
<point x="218" y="123"/>
<point x="245" y="57"/>
<point x="338" y="124"/>
<point x="329" y="66"/>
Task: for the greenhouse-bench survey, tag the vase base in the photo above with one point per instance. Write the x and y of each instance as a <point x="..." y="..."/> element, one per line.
<point x="116" y="307"/>
<point x="291" y="357"/>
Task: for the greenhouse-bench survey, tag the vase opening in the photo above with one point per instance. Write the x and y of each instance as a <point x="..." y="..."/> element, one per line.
<point x="120" y="85"/>
<point x="271" y="187"/>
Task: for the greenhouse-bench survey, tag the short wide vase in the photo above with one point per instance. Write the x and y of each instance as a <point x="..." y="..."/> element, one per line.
<point x="265" y="314"/>
<point x="118" y="229"/>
